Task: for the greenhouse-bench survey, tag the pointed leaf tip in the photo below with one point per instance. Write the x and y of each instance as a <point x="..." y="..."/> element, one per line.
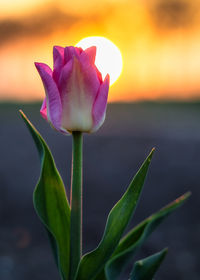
<point x="184" y="197"/>
<point x="131" y="242"/>
<point x="145" y="269"/>
<point x="118" y="219"/>
<point x="152" y="152"/>
<point x="22" y="114"/>
<point x="27" y="122"/>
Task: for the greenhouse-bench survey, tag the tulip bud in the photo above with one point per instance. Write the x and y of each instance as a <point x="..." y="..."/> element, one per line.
<point x="76" y="95"/>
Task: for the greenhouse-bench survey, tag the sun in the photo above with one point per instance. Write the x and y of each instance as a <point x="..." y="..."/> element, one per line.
<point x="108" y="57"/>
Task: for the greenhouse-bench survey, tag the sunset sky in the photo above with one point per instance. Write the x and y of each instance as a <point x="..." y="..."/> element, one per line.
<point x="159" y="41"/>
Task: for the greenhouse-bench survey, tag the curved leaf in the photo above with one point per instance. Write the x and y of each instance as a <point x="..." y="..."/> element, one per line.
<point x="136" y="237"/>
<point x="119" y="217"/>
<point x="51" y="203"/>
<point x="146" y="268"/>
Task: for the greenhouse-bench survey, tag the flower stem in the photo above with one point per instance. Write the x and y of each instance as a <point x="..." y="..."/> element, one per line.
<point x="76" y="204"/>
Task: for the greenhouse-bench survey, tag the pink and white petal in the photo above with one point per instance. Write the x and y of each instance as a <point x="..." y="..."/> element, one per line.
<point x="80" y="77"/>
<point x="91" y="53"/>
<point x="43" y="110"/>
<point x="58" y="55"/>
<point x="79" y="50"/>
<point x="76" y="101"/>
<point x="99" y="74"/>
<point x="99" y="107"/>
<point x="69" y="52"/>
<point x="65" y="76"/>
<point x="53" y="101"/>
<point x="58" y="58"/>
<point x="89" y="77"/>
<point x="44" y="66"/>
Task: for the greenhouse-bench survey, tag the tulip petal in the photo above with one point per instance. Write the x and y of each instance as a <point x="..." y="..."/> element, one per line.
<point x="89" y="75"/>
<point x="70" y="52"/>
<point x="91" y="52"/>
<point x="53" y="102"/>
<point x="79" y="85"/>
<point x="58" y="58"/>
<point x="43" y="110"/>
<point x="64" y="78"/>
<point x="88" y="56"/>
<point x="86" y="73"/>
<point x="74" y="102"/>
<point x="99" y="75"/>
<point x="99" y="108"/>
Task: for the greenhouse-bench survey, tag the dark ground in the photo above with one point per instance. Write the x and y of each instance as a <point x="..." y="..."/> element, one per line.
<point x="111" y="157"/>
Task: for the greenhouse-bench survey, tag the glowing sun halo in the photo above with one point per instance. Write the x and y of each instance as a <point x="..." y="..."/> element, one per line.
<point x="108" y="56"/>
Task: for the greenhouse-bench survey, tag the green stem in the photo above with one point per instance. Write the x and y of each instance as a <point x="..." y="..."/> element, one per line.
<point x="76" y="204"/>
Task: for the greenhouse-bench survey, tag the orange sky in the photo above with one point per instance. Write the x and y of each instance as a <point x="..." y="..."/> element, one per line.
<point x="159" y="41"/>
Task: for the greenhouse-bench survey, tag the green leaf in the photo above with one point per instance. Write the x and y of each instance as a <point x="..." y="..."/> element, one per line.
<point x="101" y="276"/>
<point x="118" y="219"/>
<point x="146" y="268"/>
<point x="51" y="203"/>
<point x="136" y="237"/>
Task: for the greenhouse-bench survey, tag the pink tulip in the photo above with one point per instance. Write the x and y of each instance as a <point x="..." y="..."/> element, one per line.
<point x="76" y="95"/>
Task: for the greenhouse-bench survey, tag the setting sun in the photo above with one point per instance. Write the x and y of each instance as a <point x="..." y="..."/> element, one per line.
<point x="108" y="58"/>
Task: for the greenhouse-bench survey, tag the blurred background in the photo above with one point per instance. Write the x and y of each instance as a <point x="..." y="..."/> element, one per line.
<point x="159" y="41"/>
<point x="154" y="103"/>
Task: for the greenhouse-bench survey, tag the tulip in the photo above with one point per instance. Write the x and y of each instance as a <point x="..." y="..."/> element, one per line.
<point x="76" y="94"/>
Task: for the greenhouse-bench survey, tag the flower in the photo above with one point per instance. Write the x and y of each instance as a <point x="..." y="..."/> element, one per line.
<point x="76" y="94"/>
